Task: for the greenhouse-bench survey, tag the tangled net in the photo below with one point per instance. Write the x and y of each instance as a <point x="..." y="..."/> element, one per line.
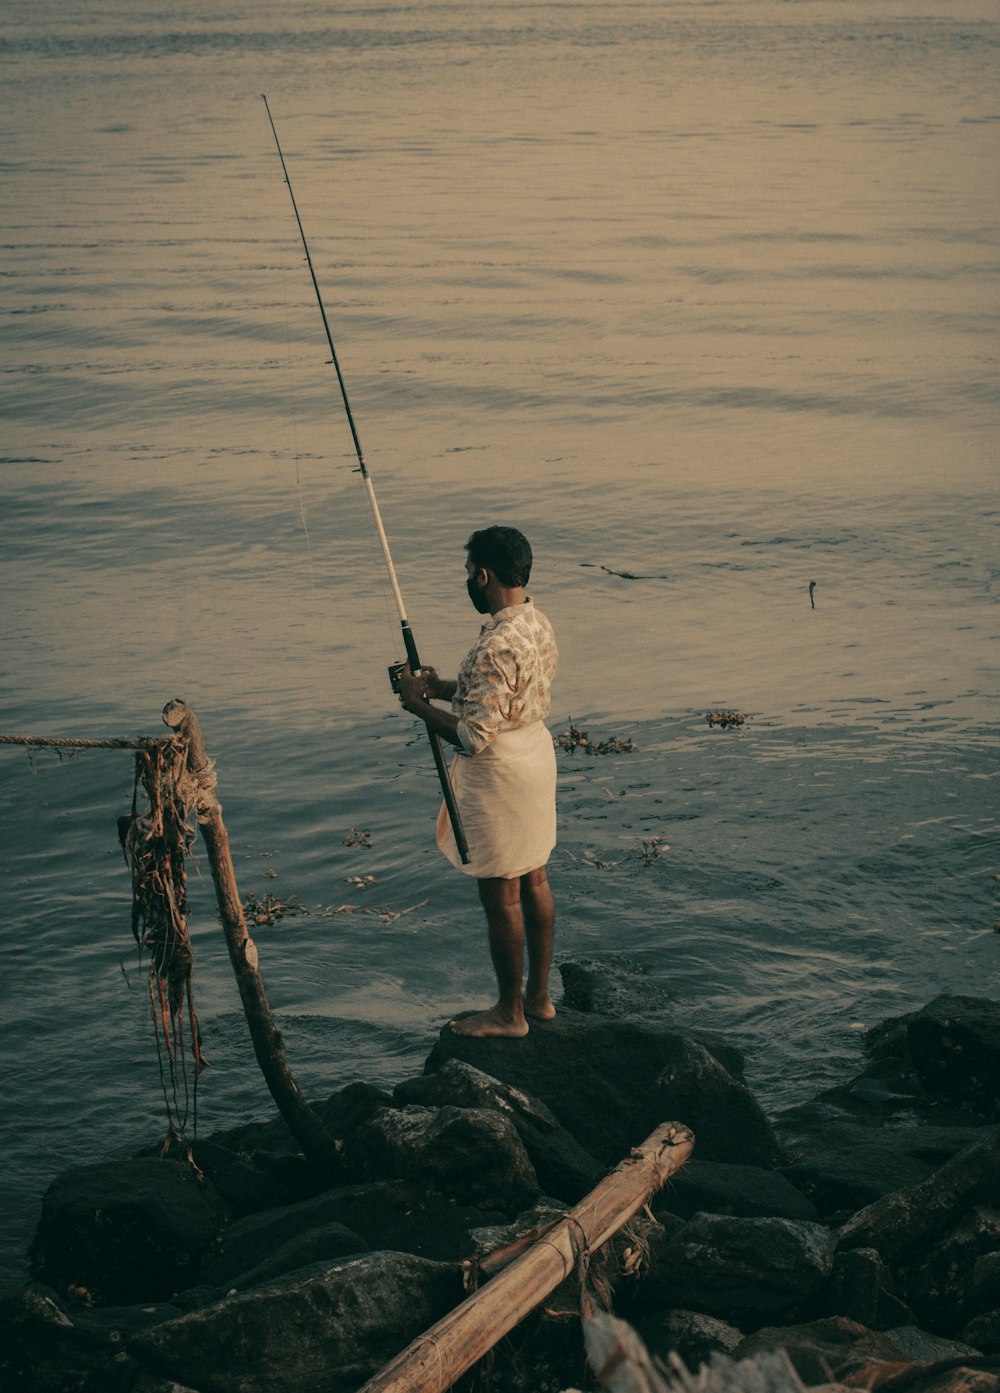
<point x="156" y="843"/>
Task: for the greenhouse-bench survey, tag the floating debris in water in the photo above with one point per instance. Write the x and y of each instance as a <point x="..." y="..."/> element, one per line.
<point x="384" y="915"/>
<point x="356" y="838"/>
<point x="615" y="746"/>
<point x="631" y="575"/>
<point x="574" y="739"/>
<point x="360" y="882"/>
<point x="269" y="909"/>
<point x="652" y="849"/>
<point x="648" y="851"/>
<point x="726" y="718"/>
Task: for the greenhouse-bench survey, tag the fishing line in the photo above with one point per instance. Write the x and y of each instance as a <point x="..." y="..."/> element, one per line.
<point x="370" y="547"/>
<point x="295" y="416"/>
<point x="412" y="657"/>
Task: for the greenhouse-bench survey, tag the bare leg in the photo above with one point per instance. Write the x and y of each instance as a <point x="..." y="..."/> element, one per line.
<point x="539" y="909"/>
<point x="501" y="899"/>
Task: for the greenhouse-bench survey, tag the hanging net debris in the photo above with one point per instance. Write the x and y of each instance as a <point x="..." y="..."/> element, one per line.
<point x="156" y="842"/>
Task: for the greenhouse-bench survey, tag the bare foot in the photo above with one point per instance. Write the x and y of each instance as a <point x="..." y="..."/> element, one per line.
<point x="490" y="1023"/>
<point x="541" y="1010"/>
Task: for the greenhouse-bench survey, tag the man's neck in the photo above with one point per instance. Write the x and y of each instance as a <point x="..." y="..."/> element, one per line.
<point x="506" y="597"/>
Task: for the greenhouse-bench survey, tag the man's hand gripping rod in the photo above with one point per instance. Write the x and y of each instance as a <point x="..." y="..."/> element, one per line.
<point x="411" y="648"/>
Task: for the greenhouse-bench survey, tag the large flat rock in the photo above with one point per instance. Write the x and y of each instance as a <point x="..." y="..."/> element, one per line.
<point x="610" y="1082"/>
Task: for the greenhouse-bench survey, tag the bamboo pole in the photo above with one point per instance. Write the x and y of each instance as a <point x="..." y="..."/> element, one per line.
<point x="269" y="1047"/>
<point x="436" y="1359"/>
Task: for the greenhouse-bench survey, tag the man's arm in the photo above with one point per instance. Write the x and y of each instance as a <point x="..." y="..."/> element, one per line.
<point x="413" y="685"/>
<point x="438" y="688"/>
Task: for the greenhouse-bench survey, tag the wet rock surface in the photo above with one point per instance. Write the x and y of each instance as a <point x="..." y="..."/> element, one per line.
<point x="748" y="1271"/>
<point x="859" y="1232"/>
<point x="126" y="1231"/>
<point x="564" y="1169"/>
<point x="610" y="1082"/>
<point x="329" y="1328"/>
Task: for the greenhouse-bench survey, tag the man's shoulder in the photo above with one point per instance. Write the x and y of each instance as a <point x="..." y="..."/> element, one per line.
<point x="539" y="621"/>
<point x="526" y="620"/>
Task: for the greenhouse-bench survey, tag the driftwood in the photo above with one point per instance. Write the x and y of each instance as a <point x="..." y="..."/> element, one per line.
<point x="440" y="1356"/>
<point x="302" y="1122"/>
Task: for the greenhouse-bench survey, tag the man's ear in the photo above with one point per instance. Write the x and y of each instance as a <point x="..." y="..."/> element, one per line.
<point x="482" y="577"/>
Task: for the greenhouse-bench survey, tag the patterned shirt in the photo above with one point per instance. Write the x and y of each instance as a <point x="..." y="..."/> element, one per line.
<point x="505" y="677"/>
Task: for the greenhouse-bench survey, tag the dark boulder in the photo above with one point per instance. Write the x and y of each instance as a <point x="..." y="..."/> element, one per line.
<point x="861" y="1288"/>
<point x="40" y="1348"/>
<point x="149" y="1383"/>
<point x="321" y="1246"/>
<point x="962" y="1374"/>
<point x="924" y="1348"/>
<point x="349" y="1108"/>
<point x="610" y="988"/>
<point x="691" y="1335"/>
<point x="958" y="1278"/>
<point x="340" y="1114"/>
<point x="983" y="1290"/>
<point x="258" y="1164"/>
<point x="473" y="1153"/>
<point x="843" y="1167"/>
<point x="52" y="1346"/>
<point x="331" y="1329"/>
<point x="126" y="1231"/>
<point x="938" y="1235"/>
<point x="746" y="1271"/>
<point x="898" y="1362"/>
<point x="904" y="1224"/>
<point x="927" y="1091"/>
<point x="620" y="987"/>
<point x="564" y="1169"/>
<point x="984" y="1332"/>
<point x="952" y="1045"/>
<point x="244" y="1187"/>
<point x="398" y="1215"/>
<point x="611" y="1082"/>
<point x="248" y="1241"/>
<point x="714" y="1187"/>
<point x="825" y="1349"/>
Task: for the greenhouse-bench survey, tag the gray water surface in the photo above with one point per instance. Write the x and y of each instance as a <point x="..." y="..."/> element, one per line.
<point x="700" y="295"/>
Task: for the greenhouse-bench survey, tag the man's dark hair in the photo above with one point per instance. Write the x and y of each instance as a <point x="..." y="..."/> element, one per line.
<point x="504" y="551"/>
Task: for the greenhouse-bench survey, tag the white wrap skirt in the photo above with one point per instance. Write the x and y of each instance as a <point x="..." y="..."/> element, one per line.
<point x="506" y="795"/>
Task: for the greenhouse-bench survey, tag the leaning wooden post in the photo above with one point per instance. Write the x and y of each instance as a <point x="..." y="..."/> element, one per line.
<point x="268" y="1045"/>
<point x="439" y="1357"/>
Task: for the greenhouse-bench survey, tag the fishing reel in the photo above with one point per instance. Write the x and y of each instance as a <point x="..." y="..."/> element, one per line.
<point x="396" y="671"/>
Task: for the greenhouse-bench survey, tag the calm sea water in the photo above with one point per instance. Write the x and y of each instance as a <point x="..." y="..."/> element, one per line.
<point x="701" y="295"/>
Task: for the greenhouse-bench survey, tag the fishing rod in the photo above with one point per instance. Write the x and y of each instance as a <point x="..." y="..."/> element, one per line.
<point x="408" y="640"/>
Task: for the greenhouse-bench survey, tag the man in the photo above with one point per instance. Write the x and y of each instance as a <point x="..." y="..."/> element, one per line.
<point x="504" y="775"/>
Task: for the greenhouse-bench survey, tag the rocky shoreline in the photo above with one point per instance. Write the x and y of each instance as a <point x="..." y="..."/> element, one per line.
<point x="859" y="1232"/>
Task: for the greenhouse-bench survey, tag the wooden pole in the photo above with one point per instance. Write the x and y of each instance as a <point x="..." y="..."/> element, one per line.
<point x="302" y="1122"/>
<point x="440" y="1356"/>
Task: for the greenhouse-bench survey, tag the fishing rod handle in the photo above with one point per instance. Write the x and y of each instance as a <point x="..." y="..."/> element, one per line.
<point x="448" y="793"/>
